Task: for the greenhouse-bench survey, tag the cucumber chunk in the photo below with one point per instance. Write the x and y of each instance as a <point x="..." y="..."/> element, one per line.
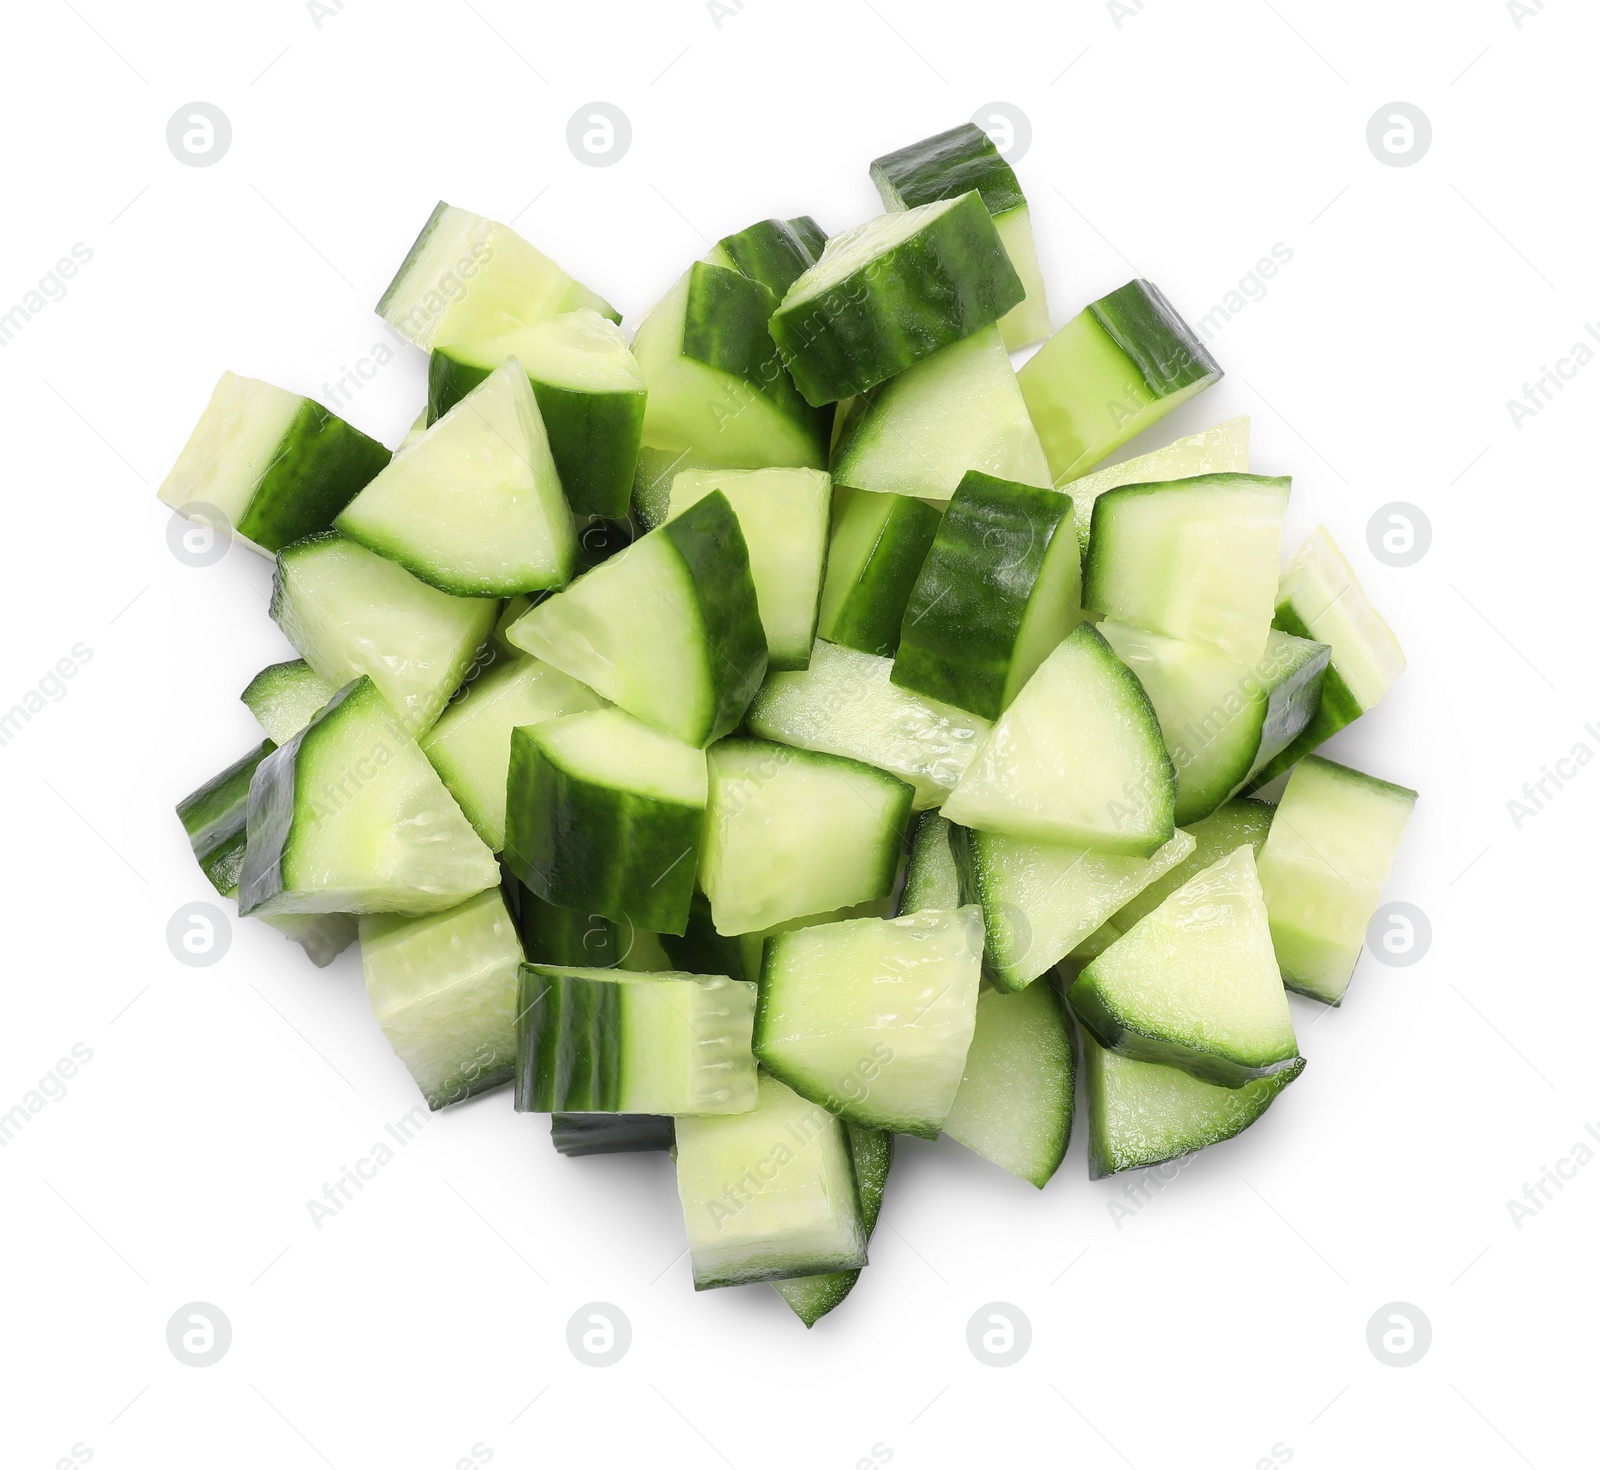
<point x="470" y="746"/>
<point x="949" y="164"/>
<point x="609" y="1041"/>
<point x="350" y="613"/>
<point x="774" y="252"/>
<point x="577" y="1135"/>
<point x="1237" y="823"/>
<point x="590" y="394"/>
<point x="1119" y="366"/>
<point x="877" y="549"/>
<point x="783" y="515"/>
<point x="1193" y="558"/>
<point x="278" y="466"/>
<point x="1195" y="984"/>
<point x="213" y="817"/>
<point x="669" y="629"/>
<point x="1142" y="1114"/>
<point x="444" y="989"/>
<point x="933" y="881"/>
<point x="467" y="278"/>
<point x="552" y="935"/>
<point x="652" y="480"/>
<point x="891" y="292"/>
<point x="1223" y="721"/>
<point x="1319" y="597"/>
<point x="997" y="593"/>
<point x="792" y="832"/>
<point x="872" y="1018"/>
<point x="604" y="815"/>
<point x="474" y="507"/>
<point x="1078" y="758"/>
<point x="768" y="1194"/>
<point x="1222" y="450"/>
<point x="958" y="410"/>
<point x="285" y="698"/>
<point x="753" y="946"/>
<point x="349" y="817"/>
<point x="1323" y="868"/>
<point x="845" y="704"/>
<point x="717" y="386"/>
<point x="700" y="950"/>
<point x="1041" y="901"/>
<point x="871" y="1151"/>
<point x="1014" y="1105"/>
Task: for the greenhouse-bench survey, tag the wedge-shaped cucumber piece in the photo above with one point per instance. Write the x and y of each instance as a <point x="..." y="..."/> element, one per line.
<point x="877" y="549"/>
<point x="949" y="164"/>
<point x="653" y="477"/>
<point x="753" y="946"/>
<point x="958" y="410"/>
<point x="933" y="881"/>
<point x="1319" y="597"/>
<point x="1077" y="758"/>
<point x="285" y="697"/>
<point x="1042" y="900"/>
<point x="775" y="252"/>
<point x="1223" y="721"/>
<point x="590" y="394"/>
<point x="467" y="278"/>
<point x="1119" y="366"/>
<point x="669" y="629"/>
<point x="1142" y="1114"/>
<point x="604" y="815"/>
<point x="768" y="1194"/>
<point x="998" y="592"/>
<point x="1195" y="984"/>
<point x="1234" y="824"/>
<point x="278" y="466"/>
<point x="1222" y="450"/>
<point x="349" y="817"/>
<point x="717" y="385"/>
<point x="577" y="1135"/>
<point x="783" y="515"/>
<point x="351" y="612"/>
<point x="844" y="704"/>
<point x="891" y="292"/>
<point x="791" y="832"/>
<point x="1323" y="868"/>
<point x="474" y="507"/>
<point x="872" y="1018"/>
<point x="1191" y="558"/>
<point x="610" y="1041"/>
<point x="1014" y="1105"/>
<point x="470" y="747"/>
<point x="700" y="950"/>
<point x="871" y="1151"/>
<point x="444" y="989"/>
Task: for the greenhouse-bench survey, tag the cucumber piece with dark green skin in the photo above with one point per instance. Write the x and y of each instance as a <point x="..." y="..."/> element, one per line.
<point x="278" y="466"/>
<point x="669" y="629"/>
<point x="604" y="815"/>
<point x="998" y="591"/>
<point x="577" y="1135"/>
<point x="589" y="389"/>
<point x="285" y="698"/>
<point x="610" y="1041"/>
<point x="700" y="950"/>
<point x="552" y="935"/>
<point x="933" y="881"/>
<point x="774" y="252"/>
<point x="1234" y="824"/>
<point x="1119" y="366"/>
<point x="891" y="292"/>
<point x="213" y="818"/>
<point x="876" y="551"/>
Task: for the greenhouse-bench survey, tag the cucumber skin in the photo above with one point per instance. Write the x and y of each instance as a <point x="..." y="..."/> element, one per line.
<point x="569" y="1042"/>
<point x="774" y="252"/>
<point x="321" y="465"/>
<point x="700" y="950"/>
<point x="871" y="616"/>
<point x="577" y="1135"/>
<point x="965" y="613"/>
<point x="1145" y="325"/>
<point x="594" y="437"/>
<point x="949" y="280"/>
<point x="597" y="850"/>
<point x="933" y="877"/>
<point x="213" y="815"/>
<point x="558" y="936"/>
<point x="945" y="165"/>
<point x="1336" y="707"/>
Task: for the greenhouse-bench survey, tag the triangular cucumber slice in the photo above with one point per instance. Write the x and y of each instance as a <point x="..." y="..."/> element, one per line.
<point x="933" y="881"/>
<point x="1237" y="823"/>
<point x="753" y="946"/>
<point x="668" y="629"/>
<point x="474" y="507"/>
<point x="285" y="697"/>
<point x="1223" y="721"/>
<point x="1142" y="1114"/>
<point x="879" y="543"/>
<point x="1014" y="1105"/>
<point x="1195" y="984"/>
<point x="1042" y="900"/>
<point x="1078" y="758"/>
<point x="872" y="1018"/>
<point x="959" y="410"/>
<point x="351" y="612"/>
<point x="774" y="252"/>
<point x="349" y="817"/>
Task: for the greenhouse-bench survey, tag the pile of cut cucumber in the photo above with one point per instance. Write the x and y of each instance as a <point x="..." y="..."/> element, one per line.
<point x="781" y="731"/>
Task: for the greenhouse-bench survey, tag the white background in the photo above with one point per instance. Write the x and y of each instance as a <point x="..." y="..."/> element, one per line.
<point x="1229" y="1315"/>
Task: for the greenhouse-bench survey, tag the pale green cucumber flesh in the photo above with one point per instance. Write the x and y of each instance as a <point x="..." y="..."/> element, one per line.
<point x="285" y="698"/>
<point x="878" y="545"/>
<point x="1234" y="824"/>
